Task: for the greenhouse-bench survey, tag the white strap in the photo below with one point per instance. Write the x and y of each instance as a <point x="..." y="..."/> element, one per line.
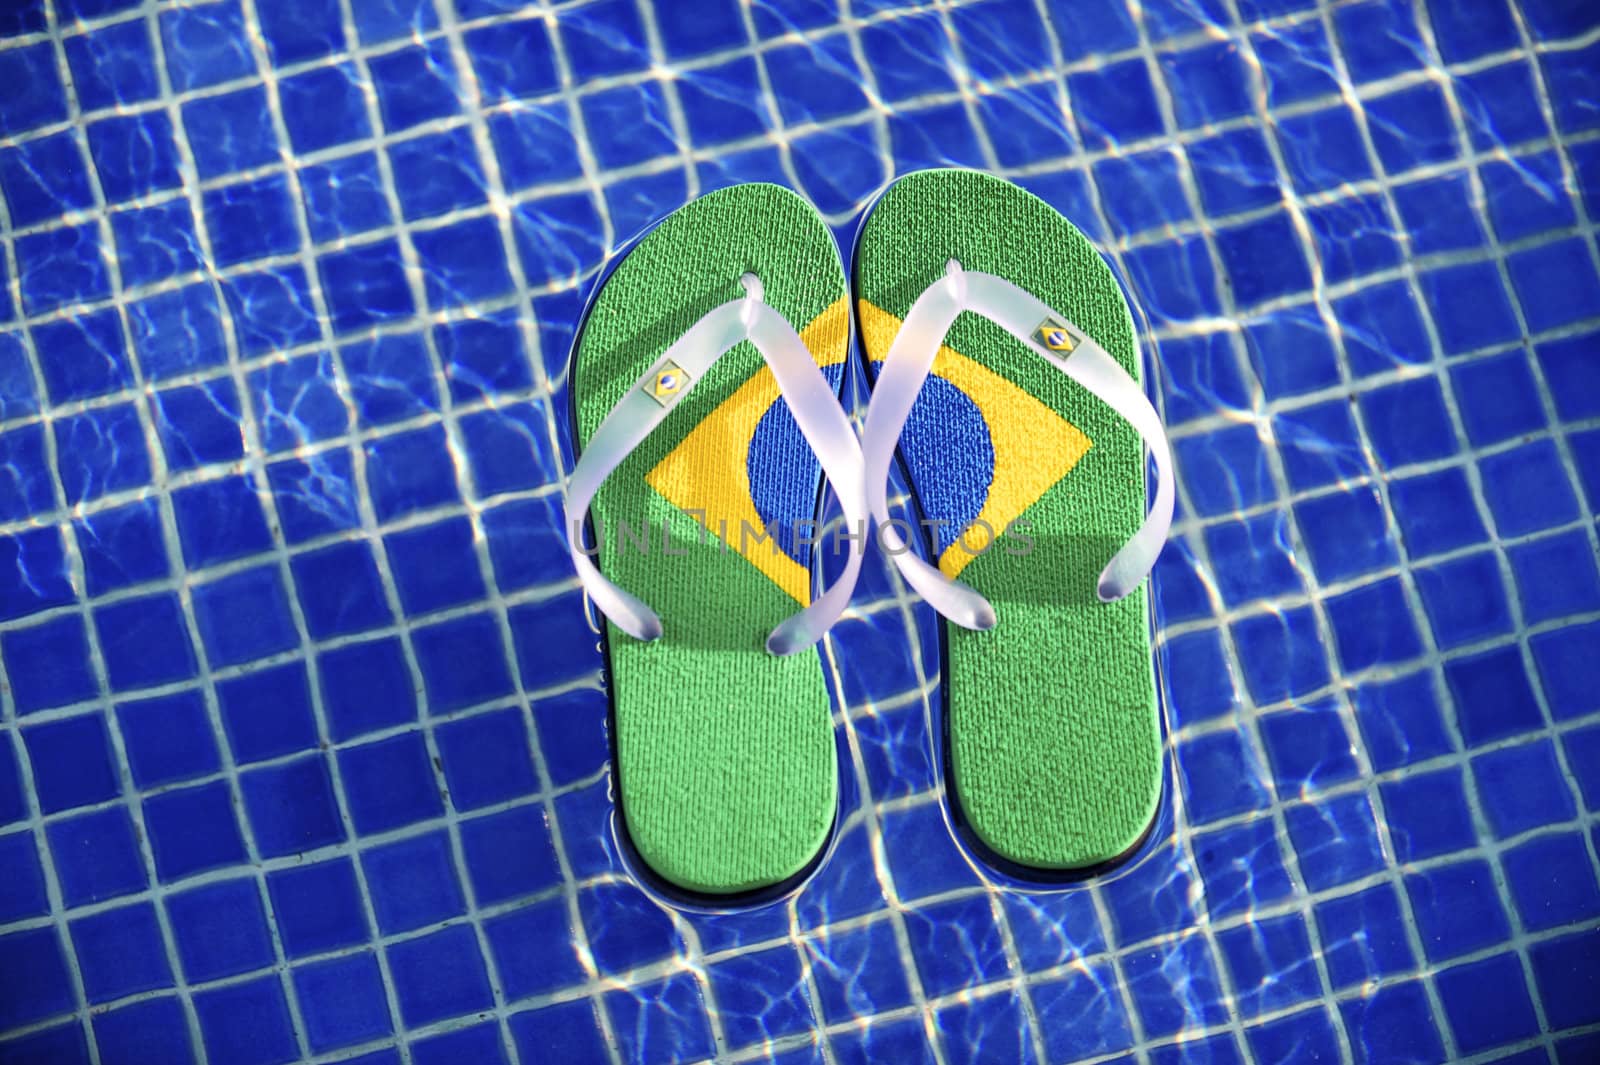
<point x="816" y="411"/>
<point x="1047" y="334"/>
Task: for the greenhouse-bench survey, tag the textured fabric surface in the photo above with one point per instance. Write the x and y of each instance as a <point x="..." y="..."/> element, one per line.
<point x="725" y="754"/>
<point x="1053" y="735"/>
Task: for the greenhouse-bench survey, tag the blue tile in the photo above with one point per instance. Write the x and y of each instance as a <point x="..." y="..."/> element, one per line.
<point x="177" y="332"/>
<point x="18" y="397"/>
<point x="1436" y="512"/>
<point x="603" y="38"/>
<point x="955" y="945"/>
<point x="636" y="203"/>
<point x="1308" y="748"/>
<point x="515" y="59"/>
<point x="291" y="807"/>
<point x="220" y="929"/>
<point x="1553" y="19"/>
<point x="1354" y="237"/>
<point x="1407" y="422"/>
<point x="1323" y="150"/>
<point x="1142" y="192"/>
<point x="415" y="85"/>
<point x="1393" y="1023"/>
<point x="314" y="496"/>
<point x="534" y="144"/>
<point x="1465" y="599"/>
<point x="1201" y="376"/>
<point x="33" y="978"/>
<point x="1457" y="909"/>
<point x="761" y="996"/>
<point x="553" y="645"/>
<point x="1522" y="788"/>
<point x="1556" y="283"/>
<point x="38" y="98"/>
<point x="1552" y="882"/>
<point x="229" y="133"/>
<point x="1400" y="721"/>
<point x="988" y="33"/>
<point x="48" y="665"/>
<point x="479" y="1044"/>
<point x="858" y="972"/>
<point x="1281" y="654"/>
<point x="151" y="1032"/>
<point x="22" y="18"/>
<point x="901" y="1041"/>
<point x="1525" y="196"/>
<point x="566" y="1030"/>
<point x="438" y="174"/>
<point x="101" y="451"/>
<point x="58" y="266"/>
<point x="1493" y="699"/>
<point x="344" y="197"/>
<point x="626" y="929"/>
<point x="1078" y="1017"/>
<point x="298" y="402"/>
<point x="1216" y="1050"/>
<point x="435" y="566"/>
<point x="1573" y="375"/>
<point x="1498" y="398"/>
<point x="1556" y="577"/>
<point x="486" y="759"/>
<point x="442" y="648"/>
<point x="1564" y="970"/>
<point x="409" y="472"/>
<point x="120" y="953"/>
<point x="193" y="830"/>
<point x="318" y="907"/>
<point x="1208" y="84"/>
<point x="509" y="449"/>
<point x="482" y="357"/>
<point x="1564" y="664"/>
<point x="343" y="1001"/>
<point x="365" y="286"/>
<point x="1169" y="1003"/>
<point x="247" y="1023"/>
<point x="534" y="949"/>
<point x="1181" y="21"/>
<point x="12" y="806"/>
<point x="1296" y="63"/>
<point x="206" y="45"/>
<point x="44" y="179"/>
<point x="340" y="593"/>
<point x="1263" y="260"/>
<point x="1373" y="626"/>
<point x="72" y="762"/>
<point x="22" y="893"/>
<point x="1115" y="104"/>
<point x="1500" y="106"/>
<point x="1462" y="35"/>
<point x="1337" y="842"/>
<point x="525" y="541"/>
<point x="251" y="221"/>
<point x="508" y="855"/>
<point x="1382" y="329"/>
<point x="439" y="976"/>
<point x="378" y="21"/>
<point x="1024" y="126"/>
<point x="1428" y="815"/>
<point x="267" y="714"/>
<point x="391" y="378"/>
<point x="463" y="263"/>
<point x="1586" y="455"/>
<point x="199" y="425"/>
<point x="1220" y="778"/>
<point x="1438" y="214"/>
<point x="922" y="856"/>
<point x="389" y="784"/>
<point x="168" y="739"/>
<point x="724" y="103"/>
<point x="1346" y="534"/>
<point x="1200" y="685"/>
<point x="112" y="66"/>
<point x="298" y="32"/>
<point x="271" y="310"/>
<point x="1234" y="172"/>
<point x="413" y="883"/>
<point x="811" y="82"/>
<point x="1411" y="128"/>
<point x="664" y="1021"/>
<point x="571" y="731"/>
<point x="366" y="687"/>
<point x="1363" y="936"/>
<point x="33" y="573"/>
<point x="1271" y="962"/>
<point x="1226" y="470"/>
<point x="1242" y="867"/>
<point x="1527" y="489"/>
<point x="219" y="521"/>
<point x="558" y="238"/>
<point x="1307" y="1036"/>
<point x="1085" y="31"/>
<point x="156" y="243"/>
<point x="1378" y="41"/>
<point x="97" y="857"/>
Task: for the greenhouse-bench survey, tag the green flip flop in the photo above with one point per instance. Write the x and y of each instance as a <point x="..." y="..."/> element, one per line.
<point x="705" y="380"/>
<point x="1005" y="366"/>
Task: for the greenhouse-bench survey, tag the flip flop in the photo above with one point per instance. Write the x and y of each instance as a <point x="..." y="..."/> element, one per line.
<point x="721" y="716"/>
<point x="1005" y="368"/>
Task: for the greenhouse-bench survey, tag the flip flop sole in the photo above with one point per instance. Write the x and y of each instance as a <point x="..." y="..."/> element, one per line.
<point x="1052" y="732"/>
<point x="725" y="761"/>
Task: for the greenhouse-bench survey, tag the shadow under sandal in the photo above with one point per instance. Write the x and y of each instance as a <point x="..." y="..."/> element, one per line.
<point x="705" y="382"/>
<point x="1005" y="369"/>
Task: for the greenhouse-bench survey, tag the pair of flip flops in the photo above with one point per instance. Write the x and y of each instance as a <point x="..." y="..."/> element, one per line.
<point x="705" y="380"/>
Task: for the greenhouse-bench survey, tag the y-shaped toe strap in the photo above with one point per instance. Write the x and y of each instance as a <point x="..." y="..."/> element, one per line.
<point x="1059" y="342"/>
<point x="646" y="405"/>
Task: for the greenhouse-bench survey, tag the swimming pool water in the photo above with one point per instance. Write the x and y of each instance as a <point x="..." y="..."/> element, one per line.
<point x="302" y="750"/>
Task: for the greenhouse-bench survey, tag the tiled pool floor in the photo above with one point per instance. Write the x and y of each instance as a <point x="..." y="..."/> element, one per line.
<point x="302" y="750"/>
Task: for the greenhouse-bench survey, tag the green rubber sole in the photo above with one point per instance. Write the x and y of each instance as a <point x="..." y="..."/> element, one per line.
<point x="1053" y="731"/>
<point x="725" y="761"/>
